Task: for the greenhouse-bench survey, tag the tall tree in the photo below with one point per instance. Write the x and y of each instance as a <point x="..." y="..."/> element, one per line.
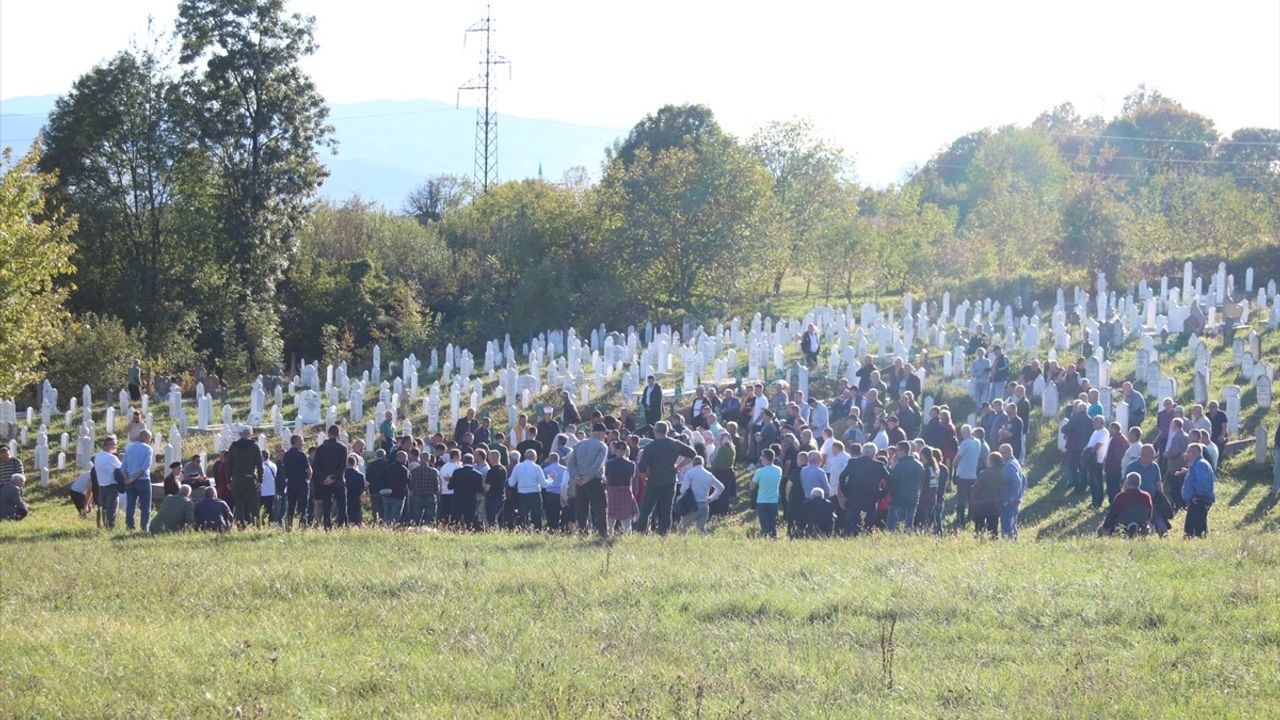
<point x="120" y="153"/>
<point x="673" y="126"/>
<point x="35" y="250"/>
<point x="437" y="195"/>
<point x="1155" y="134"/>
<point x="260" y="117"/>
<point x="694" y="230"/>
<point x="807" y="172"/>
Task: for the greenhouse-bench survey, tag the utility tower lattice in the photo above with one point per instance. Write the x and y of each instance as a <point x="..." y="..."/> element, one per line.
<point x="486" y="169"/>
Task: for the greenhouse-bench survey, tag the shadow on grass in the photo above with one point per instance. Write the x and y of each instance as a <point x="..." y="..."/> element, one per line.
<point x="1260" y="511"/>
<point x="48" y="534"/>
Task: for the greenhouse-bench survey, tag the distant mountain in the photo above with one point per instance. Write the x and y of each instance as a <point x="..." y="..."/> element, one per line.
<point x="385" y="147"/>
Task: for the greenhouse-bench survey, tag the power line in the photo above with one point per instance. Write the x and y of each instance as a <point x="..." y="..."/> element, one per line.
<point x="1111" y="174"/>
<point x="1223" y="141"/>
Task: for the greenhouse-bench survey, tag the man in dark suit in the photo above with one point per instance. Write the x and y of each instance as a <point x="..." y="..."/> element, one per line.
<point x="652" y="401"/>
<point x="328" y="490"/>
<point x="810" y="345"/>
<point x="548" y="429"/>
<point x="860" y="487"/>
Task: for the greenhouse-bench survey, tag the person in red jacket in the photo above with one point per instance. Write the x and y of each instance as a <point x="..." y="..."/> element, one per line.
<point x="1131" y="508"/>
<point x="1113" y="464"/>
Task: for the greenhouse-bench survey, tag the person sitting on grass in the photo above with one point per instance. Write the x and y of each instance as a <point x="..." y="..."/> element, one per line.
<point x="819" y="517"/>
<point x="176" y="513"/>
<point x="1130" y="509"/>
<point x="211" y="513"/>
<point x="12" y="505"/>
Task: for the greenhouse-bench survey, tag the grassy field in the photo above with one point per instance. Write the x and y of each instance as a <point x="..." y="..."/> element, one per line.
<point x="316" y="625"/>
<point x="420" y="624"/>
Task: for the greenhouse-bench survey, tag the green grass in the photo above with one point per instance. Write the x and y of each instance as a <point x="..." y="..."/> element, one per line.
<point x="315" y="625"/>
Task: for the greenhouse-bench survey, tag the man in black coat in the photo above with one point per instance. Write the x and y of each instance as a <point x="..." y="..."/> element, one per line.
<point x="652" y="401"/>
<point x="861" y="485"/>
<point x="467" y="484"/>
<point x="328" y="490"/>
<point x="244" y="462"/>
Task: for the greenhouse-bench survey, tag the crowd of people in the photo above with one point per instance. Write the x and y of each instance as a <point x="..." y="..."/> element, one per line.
<point x="866" y="458"/>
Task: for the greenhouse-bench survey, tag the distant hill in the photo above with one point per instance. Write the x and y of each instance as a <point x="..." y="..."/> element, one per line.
<point x="387" y="147"/>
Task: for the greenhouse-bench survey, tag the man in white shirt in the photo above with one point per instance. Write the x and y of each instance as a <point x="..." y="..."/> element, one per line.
<point x="819" y="416"/>
<point x="1098" y="443"/>
<point x="837" y="459"/>
<point x="105" y="465"/>
<point x="528" y="480"/>
<point x="446" y="494"/>
<point x="80" y="492"/>
<point x="267" y="499"/>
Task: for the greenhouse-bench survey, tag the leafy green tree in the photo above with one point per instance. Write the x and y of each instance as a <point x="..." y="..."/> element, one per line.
<point x="1156" y="135"/>
<point x="807" y="173"/>
<point x="529" y="257"/>
<point x="1251" y="156"/>
<point x="124" y="162"/>
<point x="263" y="123"/>
<point x="693" y="230"/>
<point x="437" y="195"/>
<point x="362" y="275"/>
<point x="673" y="126"/>
<point x="35" y="251"/>
<point x="94" y="350"/>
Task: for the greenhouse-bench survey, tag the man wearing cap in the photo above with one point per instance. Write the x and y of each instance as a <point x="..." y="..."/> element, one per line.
<point x="10" y="465"/>
<point x="586" y="473"/>
<point x="244" y="468"/>
<point x="107" y="466"/>
<point x="548" y="429"/>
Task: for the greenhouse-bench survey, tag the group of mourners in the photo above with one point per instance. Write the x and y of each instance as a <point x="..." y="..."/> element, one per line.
<point x="866" y="459"/>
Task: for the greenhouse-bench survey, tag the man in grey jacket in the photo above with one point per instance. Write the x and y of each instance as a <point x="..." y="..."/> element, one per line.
<point x="586" y="476"/>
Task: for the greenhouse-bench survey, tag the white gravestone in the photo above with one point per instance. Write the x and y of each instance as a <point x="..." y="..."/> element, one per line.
<point x="1231" y="398"/>
<point x="309" y="407"/>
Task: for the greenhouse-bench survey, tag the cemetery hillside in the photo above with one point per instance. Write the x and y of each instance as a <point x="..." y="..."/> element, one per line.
<point x="713" y="430"/>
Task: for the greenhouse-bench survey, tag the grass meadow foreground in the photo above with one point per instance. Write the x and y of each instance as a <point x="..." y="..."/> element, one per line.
<point x="328" y="625"/>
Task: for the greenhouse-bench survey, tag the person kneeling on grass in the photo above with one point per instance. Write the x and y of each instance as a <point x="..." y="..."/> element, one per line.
<point x="176" y="513"/>
<point x="211" y="513"/>
<point x="819" y="518"/>
<point x="1130" y="509"/>
<point x="12" y="505"/>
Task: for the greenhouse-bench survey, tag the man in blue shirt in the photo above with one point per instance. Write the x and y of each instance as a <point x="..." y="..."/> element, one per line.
<point x="137" y="472"/>
<point x="1197" y="491"/>
<point x="1015" y="484"/>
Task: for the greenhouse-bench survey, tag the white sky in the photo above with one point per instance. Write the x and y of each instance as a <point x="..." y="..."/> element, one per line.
<point x="891" y="82"/>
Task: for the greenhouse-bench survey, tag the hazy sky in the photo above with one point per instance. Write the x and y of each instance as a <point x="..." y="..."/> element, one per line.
<point x="891" y="82"/>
